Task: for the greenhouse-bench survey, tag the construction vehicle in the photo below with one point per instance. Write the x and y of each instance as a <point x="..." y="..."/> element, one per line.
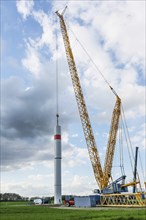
<point x="102" y="175"/>
<point x="69" y="201"/>
<point x="116" y="187"/>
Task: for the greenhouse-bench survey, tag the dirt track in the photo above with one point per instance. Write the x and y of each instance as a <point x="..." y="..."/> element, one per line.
<point x="97" y="208"/>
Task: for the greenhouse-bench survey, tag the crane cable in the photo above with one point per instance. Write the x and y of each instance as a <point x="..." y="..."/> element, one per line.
<point x="121" y="160"/>
<point x="57" y="100"/>
<point x="96" y="67"/>
<point x="128" y="139"/>
<point x="127" y="132"/>
<point x="141" y="167"/>
<point x="125" y="127"/>
<point x="121" y="149"/>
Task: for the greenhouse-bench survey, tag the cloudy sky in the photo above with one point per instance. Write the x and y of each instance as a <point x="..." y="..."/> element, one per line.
<point x="113" y="34"/>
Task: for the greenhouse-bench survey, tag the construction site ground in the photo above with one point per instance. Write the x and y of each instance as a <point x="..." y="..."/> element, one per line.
<point x="101" y="208"/>
<point x="12" y="211"/>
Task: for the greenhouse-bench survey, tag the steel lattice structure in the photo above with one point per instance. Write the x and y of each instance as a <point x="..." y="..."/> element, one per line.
<point x="128" y="200"/>
<point x="101" y="175"/>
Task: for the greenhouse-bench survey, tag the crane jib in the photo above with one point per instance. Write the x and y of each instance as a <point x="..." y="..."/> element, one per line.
<point x="101" y="175"/>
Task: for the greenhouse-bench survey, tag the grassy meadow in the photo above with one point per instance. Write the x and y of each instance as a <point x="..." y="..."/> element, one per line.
<point x="23" y="211"/>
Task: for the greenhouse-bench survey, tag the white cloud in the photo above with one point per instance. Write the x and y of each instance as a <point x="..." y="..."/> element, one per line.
<point x="75" y="135"/>
<point x="112" y="33"/>
<point x="25" y="7"/>
<point x="29" y="189"/>
<point x="47" y="24"/>
<point x="71" y="184"/>
<point x="122" y="30"/>
<point x="32" y="60"/>
<point x="79" y="185"/>
<point x="120" y="27"/>
<point x="139" y="137"/>
<point x="72" y="155"/>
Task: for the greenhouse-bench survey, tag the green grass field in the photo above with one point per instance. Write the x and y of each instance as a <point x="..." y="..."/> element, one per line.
<point x="21" y="211"/>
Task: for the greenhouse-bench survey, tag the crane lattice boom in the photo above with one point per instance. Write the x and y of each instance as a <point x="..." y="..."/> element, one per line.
<point x="102" y="177"/>
<point x="112" y="141"/>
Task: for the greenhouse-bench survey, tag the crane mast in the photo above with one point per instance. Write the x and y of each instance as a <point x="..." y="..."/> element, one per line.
<point x="101" y="176"/>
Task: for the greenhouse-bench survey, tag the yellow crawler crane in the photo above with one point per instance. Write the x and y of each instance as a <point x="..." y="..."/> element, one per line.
<point x="101" y="175"/>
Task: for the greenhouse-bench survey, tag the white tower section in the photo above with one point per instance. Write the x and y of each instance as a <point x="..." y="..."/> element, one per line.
<point x="57" y="165"/>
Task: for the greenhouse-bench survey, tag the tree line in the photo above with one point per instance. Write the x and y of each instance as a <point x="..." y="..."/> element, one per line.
<point x="12" y="197"/>
<point x="16" y="197"/>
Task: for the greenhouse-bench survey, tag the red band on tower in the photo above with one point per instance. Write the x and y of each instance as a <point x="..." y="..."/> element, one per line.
<point x="57" y="137"/>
